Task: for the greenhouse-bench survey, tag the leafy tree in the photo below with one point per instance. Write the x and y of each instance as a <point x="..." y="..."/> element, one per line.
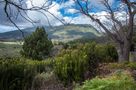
<point x="37" y="45"/>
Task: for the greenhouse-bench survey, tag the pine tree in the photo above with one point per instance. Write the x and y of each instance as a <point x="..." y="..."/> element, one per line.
<point x="37" y="46"/>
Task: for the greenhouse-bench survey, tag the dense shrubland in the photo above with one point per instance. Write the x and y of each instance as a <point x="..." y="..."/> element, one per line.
<point x="18" y="74"/>
<point x="80" y="61"/>
<point x="74" y="64"/>
<point x="106" y="53"/>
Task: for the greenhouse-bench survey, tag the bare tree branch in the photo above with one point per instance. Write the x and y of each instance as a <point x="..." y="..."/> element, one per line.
<point x="22" y="11"/>
<point x="121" y="32"/>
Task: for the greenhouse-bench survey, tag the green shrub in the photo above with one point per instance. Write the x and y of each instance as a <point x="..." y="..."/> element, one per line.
<point x="117" y="66"/>
<point x="131" y="65"/>
<point x="80" y="62"/>
<point x="74" y="63"/>
<point x="37" y="46"/>
<point x="41" y="79"/>
<point x="107" y="53"/>
<point x="118" y="81"/>
<point x="19" y="74"/>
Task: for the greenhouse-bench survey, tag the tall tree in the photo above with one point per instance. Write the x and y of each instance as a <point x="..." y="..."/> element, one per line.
<point x="120" y="31"/>
<point x="37" y="46"/>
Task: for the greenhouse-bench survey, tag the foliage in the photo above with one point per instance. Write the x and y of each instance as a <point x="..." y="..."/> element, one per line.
<point x="118" y="81"/>
<point x="72" y="64"/>
<point x="78" y="60"/>
<point x="47" y="81"/>
<point x="37" y="45"/>
<point x="131" y="65"/>
<point x="107" y="53"/>
<point x="40" y="80"/>
<point x="18" y="74"/>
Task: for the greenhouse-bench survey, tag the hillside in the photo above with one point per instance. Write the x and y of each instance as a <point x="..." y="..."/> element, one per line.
<point x="57" y="33"/>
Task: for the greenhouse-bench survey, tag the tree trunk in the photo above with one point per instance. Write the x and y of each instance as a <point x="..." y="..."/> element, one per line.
<point x="123" y="52"/>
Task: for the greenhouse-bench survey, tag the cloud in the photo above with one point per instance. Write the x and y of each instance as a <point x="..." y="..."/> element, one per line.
<point x="103" y="16"/>
<point x="36" y="3"/>
<point x="6" y="28"/>
<point x="68" y="4"/>
<point x="72" y="11"/>
<point x="68" y="7"/>
<point x="45" y="16"/>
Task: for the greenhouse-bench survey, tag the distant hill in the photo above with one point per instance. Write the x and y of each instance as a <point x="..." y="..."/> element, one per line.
<point x="58" y="33"/>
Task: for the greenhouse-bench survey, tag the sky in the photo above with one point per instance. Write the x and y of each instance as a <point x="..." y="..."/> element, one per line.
<point x="66" y="12"/>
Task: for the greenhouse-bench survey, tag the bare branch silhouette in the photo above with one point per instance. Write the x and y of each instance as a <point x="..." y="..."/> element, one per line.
<point x="120" y="33"/>
<point x="22" y="9"/>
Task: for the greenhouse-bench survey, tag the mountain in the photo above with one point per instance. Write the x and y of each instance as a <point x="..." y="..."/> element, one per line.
<point x="57" y="33"/>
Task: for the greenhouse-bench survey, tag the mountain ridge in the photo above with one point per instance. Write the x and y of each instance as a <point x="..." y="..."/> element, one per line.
<point x="57" y="33"/>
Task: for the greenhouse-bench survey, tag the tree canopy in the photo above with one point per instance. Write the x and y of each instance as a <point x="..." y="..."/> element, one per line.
<point x="37" y="45"/>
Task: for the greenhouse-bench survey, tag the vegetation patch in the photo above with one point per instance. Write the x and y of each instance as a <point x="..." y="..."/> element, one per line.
<point x="18" y="74"/>
<point x="131" y="65"/>
<point x="10" y="50"/>
<point x="117" y="81"/>
<point x="37" y="46"/>
<point x="72" y="65"/>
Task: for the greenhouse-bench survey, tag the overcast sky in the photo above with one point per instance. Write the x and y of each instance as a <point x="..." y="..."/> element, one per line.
<point x="65" y="11"/>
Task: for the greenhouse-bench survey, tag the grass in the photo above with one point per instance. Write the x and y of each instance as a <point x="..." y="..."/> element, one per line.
<point x="117" y="81"/>
<point x="131" y="65"/>
<point x="10" y="49"/>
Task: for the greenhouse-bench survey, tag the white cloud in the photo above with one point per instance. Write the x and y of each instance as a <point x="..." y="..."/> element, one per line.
<point x="67" y="4"/>
<point x="4" y="28"/>
<point x="31" y="3"/>
<point x="81" y="20"/>
<point x="45" y="16"/>
<point x="103" y="16"/>
<point x="72" y="11"/>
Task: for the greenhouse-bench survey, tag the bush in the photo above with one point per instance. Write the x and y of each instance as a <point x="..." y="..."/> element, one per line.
<point x="74" y="63"/>
<point x="47" y="81"/>
<point x="118" y="81"/>
<point x="81" y="62"/>
<point x="41" y="79"/>
<point x="37" y="46"/>
<point x="131" y="65"/>
<point x="19" y="74"/>
<point x="106" y="53"/>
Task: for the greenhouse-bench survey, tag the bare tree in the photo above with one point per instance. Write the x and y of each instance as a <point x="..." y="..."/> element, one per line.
<point x="122" y="30"/>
